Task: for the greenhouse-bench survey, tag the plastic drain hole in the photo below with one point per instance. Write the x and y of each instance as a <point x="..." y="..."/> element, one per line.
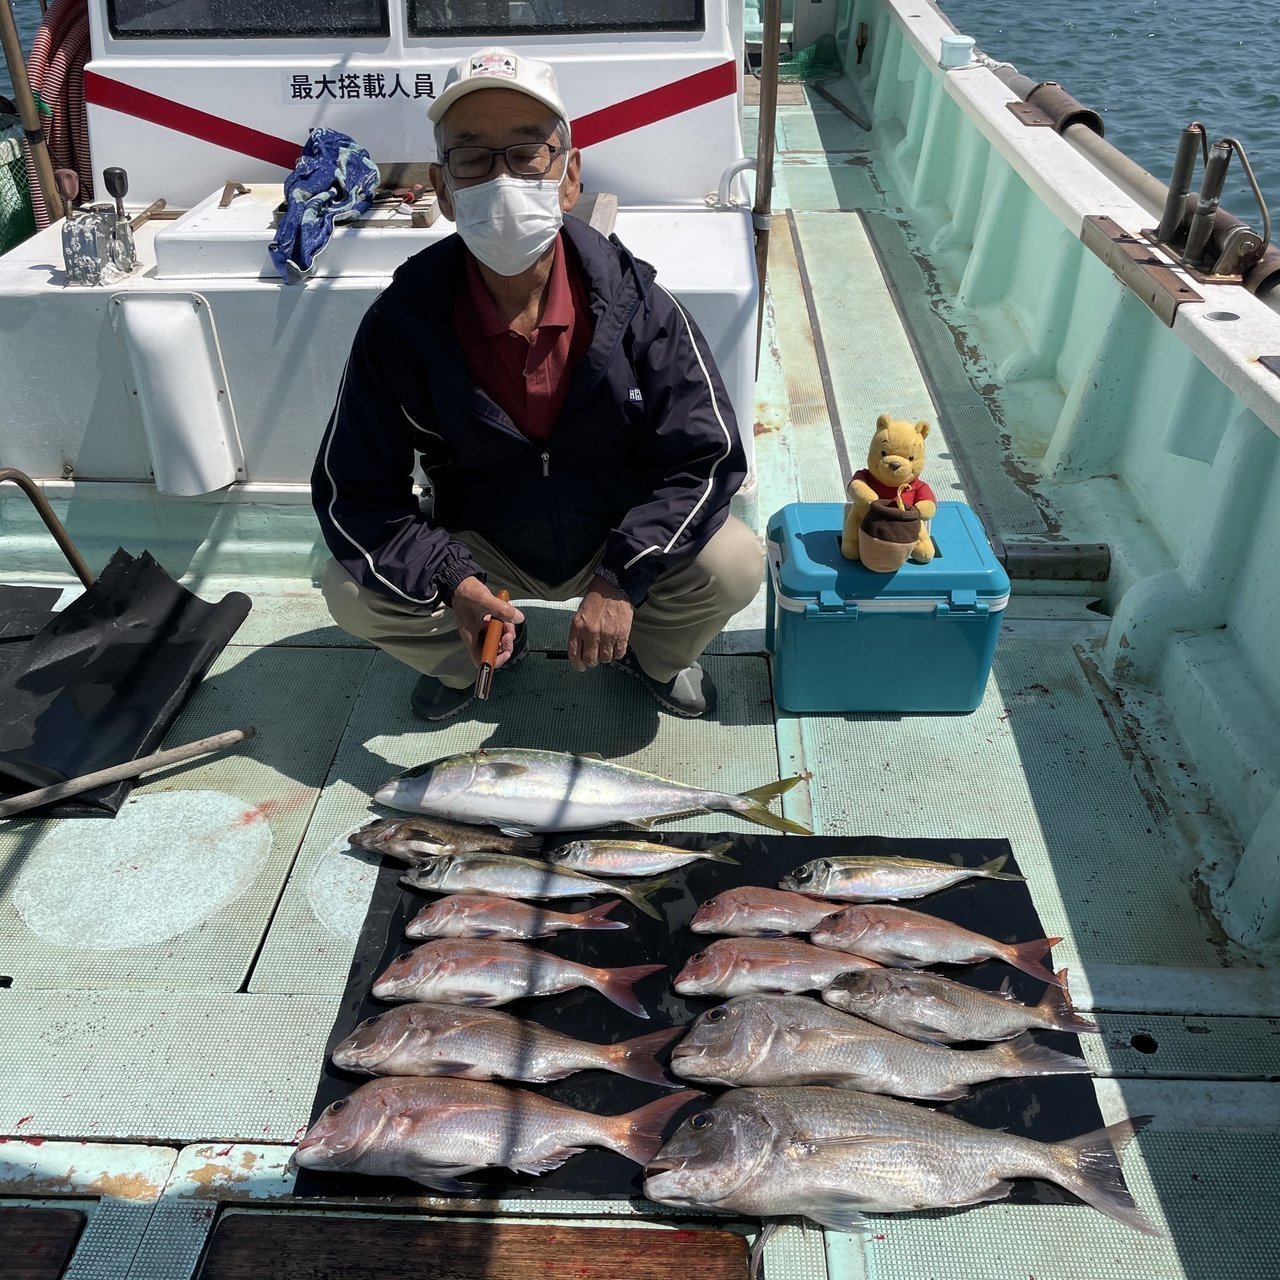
<point x="1144" y="1043"/>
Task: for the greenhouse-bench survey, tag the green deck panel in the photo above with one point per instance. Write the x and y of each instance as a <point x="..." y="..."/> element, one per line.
<point x="868" y="378"/>
<point x="841" y="185"/>
<point x="1177" y="1047"/>
<point x="151" y="1066"/>
<point x="1105" y="872"/>
<point x="826" y="129"/>
<point x="109" y="1240"/>
<point x="298" y="699"/>
<point x="1189" y="1181"/>
<point x="541" y="703"/>
<point x="1004" y="499"/>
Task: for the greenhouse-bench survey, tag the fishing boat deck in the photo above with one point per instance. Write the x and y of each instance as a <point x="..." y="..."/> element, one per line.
<point x="165" y="1020"/>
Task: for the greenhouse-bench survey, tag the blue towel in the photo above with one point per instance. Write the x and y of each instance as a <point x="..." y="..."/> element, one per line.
<point x="333" y="181"/>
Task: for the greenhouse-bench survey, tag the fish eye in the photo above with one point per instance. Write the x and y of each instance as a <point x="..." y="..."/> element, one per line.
<point x="703" y="1120"/>
<point x="717" y="1014"/>
<point x="803" y="873"/>
<point x="337" y="1106"/>
<point x="368" y="1022"/>
<point x="706" y="905"/>
<point x="700" y="955"/>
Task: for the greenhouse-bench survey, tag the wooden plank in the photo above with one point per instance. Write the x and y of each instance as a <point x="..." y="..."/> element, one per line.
<point x="249" y="1246"/>
<point x="37" y="1244"/>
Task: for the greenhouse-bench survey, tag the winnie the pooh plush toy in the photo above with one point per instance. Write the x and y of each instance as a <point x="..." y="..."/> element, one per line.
<point x="895" y="459"/>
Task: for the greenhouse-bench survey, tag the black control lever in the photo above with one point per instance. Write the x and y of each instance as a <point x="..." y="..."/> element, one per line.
<point x="117" y="184"/>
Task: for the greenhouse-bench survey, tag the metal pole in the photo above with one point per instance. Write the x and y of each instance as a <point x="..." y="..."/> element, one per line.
<point x="31" y="123"/>
<point x="762" y="209"/>
<point x="51" y="521"/>
<point x="120" y="772"/>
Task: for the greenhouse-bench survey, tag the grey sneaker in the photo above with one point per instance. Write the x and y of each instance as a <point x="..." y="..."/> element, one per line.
<point x="433" y="700"/>
<point x="688" y="693"/>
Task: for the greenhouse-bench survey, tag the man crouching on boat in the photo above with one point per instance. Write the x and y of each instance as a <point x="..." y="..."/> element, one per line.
<point x="572" y="424"/>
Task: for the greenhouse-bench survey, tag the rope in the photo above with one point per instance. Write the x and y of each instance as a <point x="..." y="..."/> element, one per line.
<point x="56" y="71"/>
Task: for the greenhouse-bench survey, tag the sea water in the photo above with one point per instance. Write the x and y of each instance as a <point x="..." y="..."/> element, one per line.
<point x="1148" y="67"/>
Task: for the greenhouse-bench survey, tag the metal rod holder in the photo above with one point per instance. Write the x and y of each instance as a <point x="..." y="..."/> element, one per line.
<point x="1215" y="178"/>
<point x="1190" y="144"/>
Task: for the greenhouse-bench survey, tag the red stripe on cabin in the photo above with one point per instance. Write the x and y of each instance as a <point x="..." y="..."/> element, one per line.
<point x="656" y="104"/>
<point x="599" y="126"/>
<point x="131" y="101"/>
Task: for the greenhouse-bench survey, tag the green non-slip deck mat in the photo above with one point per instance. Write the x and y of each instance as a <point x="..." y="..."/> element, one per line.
<point x="1171" y="1046"/>
<point x="164" y="1067"/>
<point x="542" y="703"/>
<point x="1215" y="1189"/>
<point x="870" y="366"/>
<point x="1038" y="761"/>
<point x="177" y="891"/>
<point x="996" y="492"/>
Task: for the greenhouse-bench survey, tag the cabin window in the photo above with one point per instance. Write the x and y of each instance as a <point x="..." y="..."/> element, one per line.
<point x="522" y="17"/>
<point x="241" y="19"/>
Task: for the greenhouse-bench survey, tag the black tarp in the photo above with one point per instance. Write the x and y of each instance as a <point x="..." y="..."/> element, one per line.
<point x="1049" y="1108"/>
<point x="102" y="681"/>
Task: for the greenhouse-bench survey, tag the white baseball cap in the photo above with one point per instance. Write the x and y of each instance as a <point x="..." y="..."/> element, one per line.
<point x="496" y="68"/>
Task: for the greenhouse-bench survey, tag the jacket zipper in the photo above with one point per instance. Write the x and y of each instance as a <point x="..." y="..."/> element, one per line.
<point x="556" y="530"/>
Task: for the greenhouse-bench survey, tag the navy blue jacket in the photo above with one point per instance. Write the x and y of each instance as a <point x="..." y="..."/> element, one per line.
<point x="643" y="460"/>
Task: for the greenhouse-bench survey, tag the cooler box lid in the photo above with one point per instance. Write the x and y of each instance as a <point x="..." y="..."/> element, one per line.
<point x="808" y="568"/>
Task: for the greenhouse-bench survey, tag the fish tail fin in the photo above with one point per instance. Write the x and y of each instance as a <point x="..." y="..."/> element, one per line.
<point x="1022" y="1056"/>
<point x="639" y="894"/>
<point x="1089" y="1167"/>
<point x="618" y="984"/>
<point x="720" y="853"/>
<point x="638" y="1134"/>
<point x="1026" y="956"/>
<point x="754" y="806"/>
<point x="638" y="1058"/>
<point x="994" y="870"/>
<point x="598" y="917"/>
<point x="1056" y="1009"/>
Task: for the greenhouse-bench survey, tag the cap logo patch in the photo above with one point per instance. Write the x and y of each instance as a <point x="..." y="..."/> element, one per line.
<point x="493" y="64"/>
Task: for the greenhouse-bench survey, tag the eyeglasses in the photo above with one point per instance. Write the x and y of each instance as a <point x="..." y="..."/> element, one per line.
<point x="524" y="160"/>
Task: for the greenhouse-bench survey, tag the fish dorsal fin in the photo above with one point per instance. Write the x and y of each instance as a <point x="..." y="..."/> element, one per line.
<point x="520" y="833"/>
<point x="590" y="755"/>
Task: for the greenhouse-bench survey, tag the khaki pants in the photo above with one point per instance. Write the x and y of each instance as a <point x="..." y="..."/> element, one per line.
<point x="687" y="607"/>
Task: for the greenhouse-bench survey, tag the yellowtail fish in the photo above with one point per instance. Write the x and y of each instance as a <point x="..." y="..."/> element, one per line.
<point x="632" y="857"/>
<point x="873" y="879"/>
<point x="522" y="790"/>
<point x="502" y="876"/>
<point x="463" y="915"/>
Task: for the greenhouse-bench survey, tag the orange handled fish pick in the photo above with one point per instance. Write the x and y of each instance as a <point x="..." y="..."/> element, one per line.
<point x="489" y="654"/>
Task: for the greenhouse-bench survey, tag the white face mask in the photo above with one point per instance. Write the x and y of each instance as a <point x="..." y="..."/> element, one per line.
<point x="508" y="223"/>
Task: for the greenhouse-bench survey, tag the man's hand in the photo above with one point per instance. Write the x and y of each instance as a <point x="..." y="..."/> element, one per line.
<point x="601" y="627"/>
<point x="473" y="605"/>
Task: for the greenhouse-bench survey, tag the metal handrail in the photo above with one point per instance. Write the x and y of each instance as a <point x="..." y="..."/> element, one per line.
<point x="51" y="521"/>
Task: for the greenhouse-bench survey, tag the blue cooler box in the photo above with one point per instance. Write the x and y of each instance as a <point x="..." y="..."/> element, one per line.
<point x="846" y="639"/>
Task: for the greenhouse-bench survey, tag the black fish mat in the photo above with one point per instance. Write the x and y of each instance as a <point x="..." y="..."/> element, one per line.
<point x="1048" y="1108"/>
<point x="102" y="681"/>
